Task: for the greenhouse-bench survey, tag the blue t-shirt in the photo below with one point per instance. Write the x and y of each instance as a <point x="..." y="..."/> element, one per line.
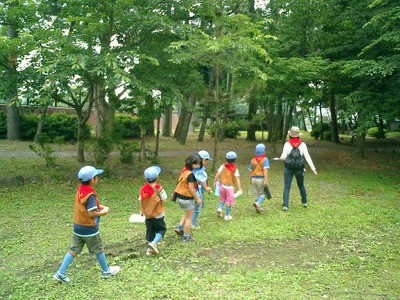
<point x="86" y="231"/>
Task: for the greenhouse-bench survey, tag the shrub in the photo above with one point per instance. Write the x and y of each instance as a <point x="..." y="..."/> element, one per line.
<point x="126" y="126"/>
<point x="62" y="124"/>
<point x="327" y="136"/>
<point x="374" y="132"/>
<point x="318" y="130"/>
<point x="127" y="151"/>
<point x="55" y="126"/>
<point x="102" y="148"/>
<point x="232" y="128"/>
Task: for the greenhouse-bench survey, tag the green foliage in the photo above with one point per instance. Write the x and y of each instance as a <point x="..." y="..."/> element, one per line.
<point x="319" y="129"/>
<point x="56" y="125"/>
<point x="232" y="128"/>
<point x="127" y="126"/>
<point x="127" y="151"/>
<point x="29" y="123"/>
<point x="327" y="136"/>
<point x="101" y="148"/>
<point x="374" y="132"/>
<point x="44" y="150"/>
<point x="61" y="124"/>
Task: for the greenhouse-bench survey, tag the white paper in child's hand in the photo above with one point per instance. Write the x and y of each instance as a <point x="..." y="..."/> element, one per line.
<point x="237" y="194"/>
<point x="136" y="218"/>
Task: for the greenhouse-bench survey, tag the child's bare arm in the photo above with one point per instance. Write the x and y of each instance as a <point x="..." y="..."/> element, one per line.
<point x="96" y="214"/>
<point x="238" y="184"/>
<point x="193" y="192"/>
<point x="216" y="178"/>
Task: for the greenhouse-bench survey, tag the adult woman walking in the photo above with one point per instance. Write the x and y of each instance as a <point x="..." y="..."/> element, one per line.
<point x="294" y="153"/>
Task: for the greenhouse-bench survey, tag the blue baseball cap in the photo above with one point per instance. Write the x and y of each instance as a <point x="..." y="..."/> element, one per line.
<point x="88" y="172"/>
<point x="204" y="155"/>
<point x="260" y="148"/>
<point x="231" y="155"/>
<point x="152" y="173"/>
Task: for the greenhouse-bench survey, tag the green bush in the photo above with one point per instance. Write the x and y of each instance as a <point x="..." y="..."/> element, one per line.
<point x="55" y="125"/>
<point x="127" y="151"/>
<point x="29" y="123"/>
<point x="64" y="125"/>
<point x="126" y="126"/>
<point x="327" y="136"/>
<point x="318" y="130"/>
<point x="374" y="132"/>
<point x="232" y="129"/>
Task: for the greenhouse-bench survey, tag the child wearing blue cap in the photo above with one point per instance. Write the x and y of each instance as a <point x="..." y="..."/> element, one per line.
<point x="87" y="213"/>
<point x="228" y="176"/>
<point x="152" y="198"/>
<point x="202" y="187"/>
<point x="258" y="168"/>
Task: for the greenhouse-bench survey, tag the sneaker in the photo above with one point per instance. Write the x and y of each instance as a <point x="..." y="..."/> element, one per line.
<point x="61" y="278"/>
<point x="195" y="226"/>
<point x="257" y="207"/>
<point x="305" y="205"/>
<point x="148" y="252"/>
<point x="219" y="213"/>
<point x="153" y="248"/>
<point x="179" y="232"/>
<point x="188" y="240"/>
<point x="111" y="271"/>
<point x="285" y="208"/>
<point x="228" y="218"/>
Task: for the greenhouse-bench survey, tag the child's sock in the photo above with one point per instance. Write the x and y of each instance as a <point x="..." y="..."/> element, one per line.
<point x="101" y="258"/>
<point x="68" y="258"/>
<point x="157" y="238"/>
<point x="221" y="206"/>
<point x="228" y="210"/>
<point x="180" y="227"/>
<point x="260" y="200"/>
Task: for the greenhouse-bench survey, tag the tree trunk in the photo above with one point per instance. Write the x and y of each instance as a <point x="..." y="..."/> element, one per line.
<point x="186" y="120"/>
<point x="39" y="129"/>
<point x="13" y="111"/>
<point x="332" y="109"/>
<point x="167" y="122"/>
<point x="157" y="138"/>
<point x="150" y="122"/>
<point x="251" y="130"/>
<point x="202" y="131"/>
<point x="360" y="145"/>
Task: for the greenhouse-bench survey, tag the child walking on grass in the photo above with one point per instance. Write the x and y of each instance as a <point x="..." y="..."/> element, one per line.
<point x="258" y="168"/>
<point x="87" y="213"/>
<point x="152" y="198"/>
<point x="228" y="176"/>
<point x="202" y="187"/>
<point x="186" y="196"/>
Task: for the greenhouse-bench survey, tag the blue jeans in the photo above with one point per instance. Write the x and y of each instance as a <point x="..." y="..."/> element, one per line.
<point x="288" y="176"/>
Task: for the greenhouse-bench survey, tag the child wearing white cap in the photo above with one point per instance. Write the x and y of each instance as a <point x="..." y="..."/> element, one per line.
<point x="202" y="187"/>
<point x="87" y="213"/>
<point x="228" y="176"/>
<point x="258" y="168"/>
<point x="152" y="198"/>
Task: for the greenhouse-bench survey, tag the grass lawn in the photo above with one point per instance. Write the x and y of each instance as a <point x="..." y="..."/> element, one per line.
<point x="345" y="245"/>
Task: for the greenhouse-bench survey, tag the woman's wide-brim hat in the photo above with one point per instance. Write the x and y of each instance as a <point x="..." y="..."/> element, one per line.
<point x="294" y="131"/>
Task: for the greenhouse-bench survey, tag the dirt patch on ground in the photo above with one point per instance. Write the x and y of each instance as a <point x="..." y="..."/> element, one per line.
<point x="302" y="253"/>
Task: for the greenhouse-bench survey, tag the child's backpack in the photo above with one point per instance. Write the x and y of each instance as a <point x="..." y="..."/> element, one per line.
<point x="294" y="160"/>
